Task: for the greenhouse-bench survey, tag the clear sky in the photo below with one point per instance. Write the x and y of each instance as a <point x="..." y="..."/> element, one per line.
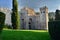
<point x="35" y="4"/>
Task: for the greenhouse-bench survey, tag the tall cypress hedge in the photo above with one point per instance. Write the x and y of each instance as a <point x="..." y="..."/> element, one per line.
<point x="54" y="30"/>
<point x="2" y="20"/>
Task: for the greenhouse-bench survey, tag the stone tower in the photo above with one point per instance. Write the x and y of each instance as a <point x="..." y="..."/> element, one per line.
<point x="44" y="17"/>
<point x="24" y="19"/>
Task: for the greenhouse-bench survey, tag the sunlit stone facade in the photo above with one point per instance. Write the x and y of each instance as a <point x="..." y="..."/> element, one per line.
<point x="31" y="20"/>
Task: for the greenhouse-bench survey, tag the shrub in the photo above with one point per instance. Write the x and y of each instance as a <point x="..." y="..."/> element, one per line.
<point x="2" y="20"/>
<point x="8" y="26"/>
<point x="54" y="30"/>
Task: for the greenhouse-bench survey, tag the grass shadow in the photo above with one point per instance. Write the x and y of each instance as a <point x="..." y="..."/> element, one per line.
<point x="0" y="34"/>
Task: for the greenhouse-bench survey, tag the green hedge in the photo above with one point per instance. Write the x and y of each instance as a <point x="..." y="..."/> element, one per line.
<point x="2" y="20"/>
<point x="54" y="30"/>
<point x="8" y="26"/>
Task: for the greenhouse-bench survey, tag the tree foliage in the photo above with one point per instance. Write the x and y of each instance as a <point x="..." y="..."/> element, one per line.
<point x="51" y="16"/>
<point x="57" y="16"/>
<point x="14" y="15"/>
<point x="2" y="20"/>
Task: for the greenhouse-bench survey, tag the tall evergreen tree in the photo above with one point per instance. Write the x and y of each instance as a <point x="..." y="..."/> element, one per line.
<point x="14" y="15"/>
<point x="57" y="15"/>
<point x="2" y="21"/>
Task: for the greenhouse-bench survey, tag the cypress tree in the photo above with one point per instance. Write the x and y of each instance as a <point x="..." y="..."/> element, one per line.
<point x="14" y="15"/>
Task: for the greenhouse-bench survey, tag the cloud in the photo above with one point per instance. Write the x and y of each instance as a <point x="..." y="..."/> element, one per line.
<point x="59" y="7"/>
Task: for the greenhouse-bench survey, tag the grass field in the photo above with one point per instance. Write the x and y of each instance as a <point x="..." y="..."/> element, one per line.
<point x="25" y="35"/>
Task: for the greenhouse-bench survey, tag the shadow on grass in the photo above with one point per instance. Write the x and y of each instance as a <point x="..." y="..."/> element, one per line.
<point x="25" y="35"/>
<point x="0" y="34"/>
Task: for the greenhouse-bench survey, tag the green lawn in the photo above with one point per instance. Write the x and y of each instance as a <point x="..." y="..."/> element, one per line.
<point x="25" y="35"/>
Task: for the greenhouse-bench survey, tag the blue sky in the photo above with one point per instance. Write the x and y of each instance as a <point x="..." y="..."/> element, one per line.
<point x="35" y="4"/>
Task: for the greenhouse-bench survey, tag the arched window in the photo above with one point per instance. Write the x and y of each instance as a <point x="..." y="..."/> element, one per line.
<point x="30" y="19"/>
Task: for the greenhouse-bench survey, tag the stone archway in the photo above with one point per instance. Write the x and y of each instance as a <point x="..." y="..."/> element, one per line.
<point x="30" y="23"/>
<point x="23" y="26"/>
